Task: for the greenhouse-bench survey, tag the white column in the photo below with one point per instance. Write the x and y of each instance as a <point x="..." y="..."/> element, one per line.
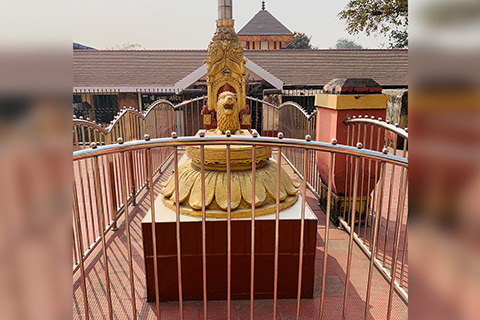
<point x="225" y="9"/>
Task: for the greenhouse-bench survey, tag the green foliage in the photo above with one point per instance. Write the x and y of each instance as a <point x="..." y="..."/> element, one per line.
<point x="127" y="46"/>
<point x="347" y="44"/>
<point x="398" y="39"/>
<point x="388" y="17"/>
<point x="300" y="41"/>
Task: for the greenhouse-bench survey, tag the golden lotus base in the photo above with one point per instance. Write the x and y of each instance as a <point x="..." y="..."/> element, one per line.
<point x="243" y="211"/>
<point x="190" y="194"/>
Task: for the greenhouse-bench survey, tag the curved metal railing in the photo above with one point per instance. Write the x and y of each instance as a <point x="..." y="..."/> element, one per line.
<point x="379" y="123"/>
<point x="95" y="158"/>
<point x="377" y="134"/>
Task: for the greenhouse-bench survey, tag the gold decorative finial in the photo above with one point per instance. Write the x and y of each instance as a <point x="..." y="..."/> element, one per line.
<point x="225" y="64"/>
<point x="227" y="101"/>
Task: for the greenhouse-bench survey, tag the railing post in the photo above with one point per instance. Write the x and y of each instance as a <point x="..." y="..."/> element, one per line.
<point x="132" y="177"/>
<point x="341" y="99"/>
<point x="111" y="179"/>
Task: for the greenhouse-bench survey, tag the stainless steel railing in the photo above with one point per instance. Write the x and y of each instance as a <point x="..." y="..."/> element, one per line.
<point x="95" y="156"/>
<point x="376" y="134"/>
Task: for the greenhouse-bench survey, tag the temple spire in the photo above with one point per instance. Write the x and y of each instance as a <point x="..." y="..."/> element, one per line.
<point x="225" y="9"/>
<point x="263" y="5"/>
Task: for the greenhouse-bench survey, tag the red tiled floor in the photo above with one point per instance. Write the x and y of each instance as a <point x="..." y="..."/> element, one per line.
<point x="263" y="309"/>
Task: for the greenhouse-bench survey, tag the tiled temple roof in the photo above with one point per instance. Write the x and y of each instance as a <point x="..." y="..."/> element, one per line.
<point x="164" y="68"/>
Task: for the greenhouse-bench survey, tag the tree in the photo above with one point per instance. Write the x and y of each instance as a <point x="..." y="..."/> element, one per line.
<point x="388" y="17"/>
<point x="127" y="46"/>
<point x="347" y="44"/>
<point x="300" y="41"/>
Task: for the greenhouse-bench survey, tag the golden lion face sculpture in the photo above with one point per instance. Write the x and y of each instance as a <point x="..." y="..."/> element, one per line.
<point x="227" y="112"/>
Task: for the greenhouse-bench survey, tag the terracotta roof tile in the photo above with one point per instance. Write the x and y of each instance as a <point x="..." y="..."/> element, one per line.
<point x="163" y="68"/>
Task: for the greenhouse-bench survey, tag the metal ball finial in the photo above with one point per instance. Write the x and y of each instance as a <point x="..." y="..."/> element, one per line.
<point x="385" y="150"/>
<point x="397" y="124"/>
<point x="308" y="138"/>
<point x="359" y="145"/>
<point x="146" y="137"/>
<point x="174" y="135"/>
<point x="202" y="134"/>
<point x="280" y="135"/>
<point x="93" y="145"/>
<point x="228" y="133"/>
<point x="254" y="133"/>
<point x="120" y="140"/>
<point x="334" y="141"/>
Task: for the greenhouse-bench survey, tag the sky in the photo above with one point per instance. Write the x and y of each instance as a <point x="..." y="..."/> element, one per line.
<point x="190" y="24"/>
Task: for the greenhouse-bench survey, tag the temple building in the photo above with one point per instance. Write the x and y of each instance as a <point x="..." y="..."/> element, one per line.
<point x="264" y="32"/>
<point x="100" y="90"/>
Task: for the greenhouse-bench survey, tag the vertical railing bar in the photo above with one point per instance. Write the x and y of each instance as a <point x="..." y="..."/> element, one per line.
<point x="360" y="213"/>
<point x="127" y="229"/>
<point x="132" y="176"/>
<point x="89" y="134"/>
<point x="302" y="229"/>
<point x="350" y="244"/>
<point x="80" y="247"/>
<point x="372" y="249"/>
<point x="327" y="227"/>
<point x="102" y="233"/>
<point x="111" y="180"/>
<point x="138" y="181"/>
<point x="204" y="231"/>
<point x="154" y="237"/>
<point x="392" y="176"/>
<point x="229" y="232"/>
<point x="367" y="208"/>
<point x="277" y="227"/>
<point x="350" y="200"/>
<point x="396" y="244"/>
<point x="116" y="181"/>
<point x="404" y="153"/>
<point x="105" y="191"/>
<point x="397" y="218"/>
<point x="374" y="238"/>
<point x="90" y="198"/>
<point x="83" y="137"/>
<point x="177" y="225"/>
<point x="124" y="127"/>
<point x="85" y="207"/>
<point x="346" y="177"/>
<point x="75" y="128"/>
<point x="252" y="226"/>
<point x="75" y="253"/>
<point x="145" y="165"/>
<point x="117" y="178"/>
<point x="404" y="256"/>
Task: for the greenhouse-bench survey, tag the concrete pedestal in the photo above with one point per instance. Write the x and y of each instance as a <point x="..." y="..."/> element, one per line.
<point x="216" y="230"/>
<point x="344" y="98"/>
